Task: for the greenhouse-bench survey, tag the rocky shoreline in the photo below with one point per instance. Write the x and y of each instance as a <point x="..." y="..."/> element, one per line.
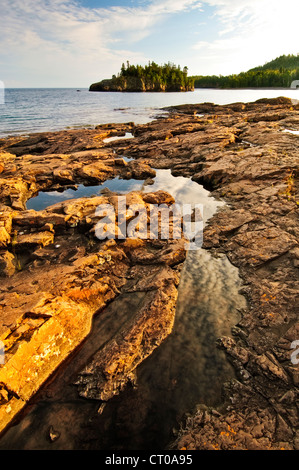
<point x="136" y="85"/>
<point x="56" y="276"/>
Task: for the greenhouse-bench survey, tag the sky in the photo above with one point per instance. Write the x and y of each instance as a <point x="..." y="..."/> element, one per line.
<point x="73" y="43"/>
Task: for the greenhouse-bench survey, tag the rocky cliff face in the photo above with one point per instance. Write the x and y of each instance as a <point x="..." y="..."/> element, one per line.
<point x="135" y="84"/>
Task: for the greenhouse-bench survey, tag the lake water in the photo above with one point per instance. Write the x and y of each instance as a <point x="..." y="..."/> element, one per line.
<point x="184" y="191"/>
<point x="188" y="368"/>
<point x="36" y="110"/>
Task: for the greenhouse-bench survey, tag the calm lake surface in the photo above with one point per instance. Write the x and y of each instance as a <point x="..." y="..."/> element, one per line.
<point x="28" y="110"/>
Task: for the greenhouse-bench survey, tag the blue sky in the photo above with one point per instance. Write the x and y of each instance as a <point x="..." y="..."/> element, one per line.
<point x="72" y="43"/>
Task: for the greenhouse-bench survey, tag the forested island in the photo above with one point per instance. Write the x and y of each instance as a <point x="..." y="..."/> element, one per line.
<point x="152" y="77"/>
<point x="280" y="72"/>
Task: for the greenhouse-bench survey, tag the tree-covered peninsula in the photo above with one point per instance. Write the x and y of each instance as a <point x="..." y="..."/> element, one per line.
<point x="152" y="77"/>
<point x="280" y="72"/>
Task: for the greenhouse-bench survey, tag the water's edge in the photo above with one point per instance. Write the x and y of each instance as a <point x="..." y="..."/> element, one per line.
<point x="186" y="370"/>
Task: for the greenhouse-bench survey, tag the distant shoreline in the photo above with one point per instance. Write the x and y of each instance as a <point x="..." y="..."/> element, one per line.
<point x="247" y="88"/>
<point x="196" y="88"/>
<point x="29" y="110"/>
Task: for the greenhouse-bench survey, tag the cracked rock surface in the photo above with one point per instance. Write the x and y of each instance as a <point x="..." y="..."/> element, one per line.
<point x="52" y="283"/>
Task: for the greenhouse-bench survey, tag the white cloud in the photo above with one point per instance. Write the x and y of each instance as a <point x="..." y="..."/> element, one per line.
<point x="254" y="32"/>
<point x="61" y="43"/>
<point x="173" y="6"/>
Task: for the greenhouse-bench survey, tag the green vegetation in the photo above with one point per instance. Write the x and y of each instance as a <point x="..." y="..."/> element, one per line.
<point x="280" y="72"/>
<point x="168" y="76"/>
<point x="152" y="77"/>
<point x="288" y="62"/>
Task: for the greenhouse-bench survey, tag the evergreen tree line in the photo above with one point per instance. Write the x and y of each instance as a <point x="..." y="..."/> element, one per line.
<point x="290" y="62"/>
<point x="280" y="72"/>
<point x="168" y="75"/>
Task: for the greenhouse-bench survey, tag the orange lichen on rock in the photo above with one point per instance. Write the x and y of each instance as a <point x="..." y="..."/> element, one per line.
<point x="66" y="278"/>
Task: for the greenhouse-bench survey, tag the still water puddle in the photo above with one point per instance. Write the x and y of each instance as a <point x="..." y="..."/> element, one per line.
<point x="128" y="135"/>
<point x="186" y="370"/>
<point x="184" y="191"/>
<point x="46" y="199"/>
<point x="289" y="131"/>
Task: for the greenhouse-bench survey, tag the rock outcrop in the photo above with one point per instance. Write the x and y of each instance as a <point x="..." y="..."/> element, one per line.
<point x="247" y="155"/>
<point x="136" y="84"/>
<point x="56" y="275"/>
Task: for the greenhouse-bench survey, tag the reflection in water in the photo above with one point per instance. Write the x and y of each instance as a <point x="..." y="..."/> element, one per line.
<point x="182" y="189"/>
<point x="128" y="135"/>
<point x="291" y="132"/>
<point x="46" y="199"/>
<point x="186" y="370"/>
<point x="206" y="309"/>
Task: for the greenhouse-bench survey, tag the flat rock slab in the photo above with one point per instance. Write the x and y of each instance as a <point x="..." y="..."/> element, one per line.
<point x="56" y="276"/>
<point x="60" y="279"/>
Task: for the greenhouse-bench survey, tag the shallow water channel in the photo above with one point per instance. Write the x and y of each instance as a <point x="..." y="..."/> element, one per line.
<point x="186" y="370"/>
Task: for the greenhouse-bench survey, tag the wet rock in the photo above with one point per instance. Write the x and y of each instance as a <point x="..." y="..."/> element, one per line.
<point x="37" y="238"/>
<point x="240" y="153"/>
<point x="66" y="275"/>
<point x="95" y="172"/>
<point x="4" y="237"/>
<point x="159" y="197"/>
<point x="139" y="170"/>
<point x="54" y="435"/>
<point x="110" y="369"/>
<point x="7" y="265"/>
<point x="63" y="176"/>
